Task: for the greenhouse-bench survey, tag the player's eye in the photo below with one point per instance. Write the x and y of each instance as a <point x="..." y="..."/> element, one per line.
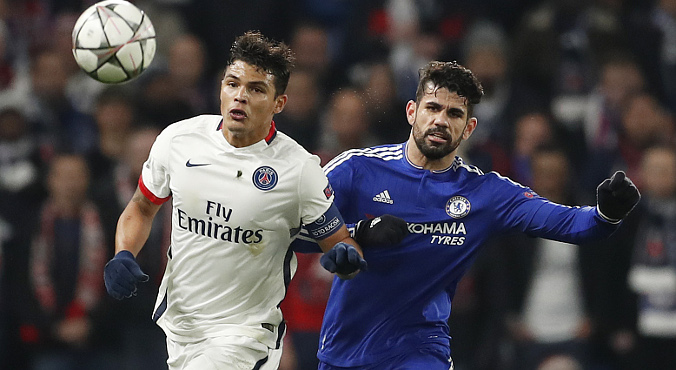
<point x="456" y="113"/>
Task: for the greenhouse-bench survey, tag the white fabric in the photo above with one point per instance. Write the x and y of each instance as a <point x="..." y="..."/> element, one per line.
<point x="229" y="240"/>
<point x="231" y="353"/>
<point x="553" y="308"/>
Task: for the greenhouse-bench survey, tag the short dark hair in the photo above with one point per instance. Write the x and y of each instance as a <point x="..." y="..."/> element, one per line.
<point x="452" y="76"/>
<point x="273" y="57"/>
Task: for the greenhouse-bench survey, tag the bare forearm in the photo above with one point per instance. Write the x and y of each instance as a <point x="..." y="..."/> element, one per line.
<point x="133" y="227"/>
<point x="341" y="235"/>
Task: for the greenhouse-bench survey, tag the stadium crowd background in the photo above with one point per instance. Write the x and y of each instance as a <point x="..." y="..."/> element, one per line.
<point x="575" y="89"/>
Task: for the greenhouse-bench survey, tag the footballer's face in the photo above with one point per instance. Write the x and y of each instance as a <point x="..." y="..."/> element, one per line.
<point x="440" y="122"/>
<point x="248" y="103"/>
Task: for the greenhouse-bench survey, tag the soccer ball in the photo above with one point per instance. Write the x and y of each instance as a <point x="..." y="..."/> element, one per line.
<point x="113" y="41"/>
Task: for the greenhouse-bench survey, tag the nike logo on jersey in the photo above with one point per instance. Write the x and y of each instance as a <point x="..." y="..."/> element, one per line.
<point x="383" y="197"/>
<point x="188" y="164"/>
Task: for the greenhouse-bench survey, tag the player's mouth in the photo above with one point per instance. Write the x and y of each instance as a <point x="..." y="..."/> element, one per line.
<point x="237" y="114"/>
<point x="438" y="137"/>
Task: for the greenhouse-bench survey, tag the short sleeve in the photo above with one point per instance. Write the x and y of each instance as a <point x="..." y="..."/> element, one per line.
<point x="154" y="180"/>
<point x="316" y="195"/>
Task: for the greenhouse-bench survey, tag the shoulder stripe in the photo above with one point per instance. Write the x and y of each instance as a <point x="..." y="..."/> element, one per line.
<point x="386" y="153"/>
<point x="508" y="180"/>
<point x="459" y="163"/>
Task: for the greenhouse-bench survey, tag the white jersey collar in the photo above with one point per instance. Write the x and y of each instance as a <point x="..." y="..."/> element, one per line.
<point x="260" y="145"/>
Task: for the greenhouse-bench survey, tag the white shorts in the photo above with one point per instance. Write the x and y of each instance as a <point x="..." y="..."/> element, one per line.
<point x="223" y="353"/>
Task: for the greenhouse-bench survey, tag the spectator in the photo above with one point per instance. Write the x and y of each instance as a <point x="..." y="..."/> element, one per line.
<point x="115" y="116"/>
<point x="559" y="44"/>
<point x="345" y="125"/>
<point x="384" y="106"/>
<point x="620" y="78"/>
<point x="505" y="97"/>
<point x="652" y="34"/>
<point x="55" y="116"/>
<point x="67" y="259"/>
<point x="162" y="104"/>
<point x="188" y="73"/>
<point x="139" y="343"/>
<point x="653" y="271"/>
<point x="20" y="164"/>
<point x="644" y="123"/>
<point x="550" y="281"/>
<point x="311" y="45"/>
<point x="21" y="193"/>
<point x="532" y="131"/>
<point x="300" y="117"/>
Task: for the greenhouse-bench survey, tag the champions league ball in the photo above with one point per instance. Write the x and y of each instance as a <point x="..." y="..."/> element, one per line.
<point x="113" y="41"/>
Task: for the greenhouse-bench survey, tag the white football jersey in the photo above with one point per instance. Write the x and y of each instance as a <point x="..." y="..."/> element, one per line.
<point x="235" y="211"/>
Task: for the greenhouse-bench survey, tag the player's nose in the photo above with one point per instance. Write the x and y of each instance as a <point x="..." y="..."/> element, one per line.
<point x="241" y="94"/>
<point x="440" y="121"/>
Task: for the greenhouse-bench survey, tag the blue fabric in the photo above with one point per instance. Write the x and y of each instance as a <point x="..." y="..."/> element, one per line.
<point x="401" y="304"/>
<point x="326" y="225"/>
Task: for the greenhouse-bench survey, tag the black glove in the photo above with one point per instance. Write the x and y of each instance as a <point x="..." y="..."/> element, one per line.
<point x="380" y="231"/>
<point x="121" y="275"/>
<point x="344" y="260"/>
<point x="616" y="197"/>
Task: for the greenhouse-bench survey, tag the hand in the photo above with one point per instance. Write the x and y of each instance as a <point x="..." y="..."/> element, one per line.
<point x="121" y="275"/>
<point x="616" y="197"/>
<point x="380" y="231"/>
<point x="344" y="260"/>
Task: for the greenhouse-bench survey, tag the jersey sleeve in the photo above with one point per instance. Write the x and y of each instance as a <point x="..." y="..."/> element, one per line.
<point x="340" y="173"/>
<point x="519" y="208"/>
<point x="316" y="195"/>
<point x="154" y="180"/>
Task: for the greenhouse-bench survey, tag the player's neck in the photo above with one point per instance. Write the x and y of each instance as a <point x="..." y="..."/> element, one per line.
<point x="418" y="159"/>
<point x="241" y="138"/>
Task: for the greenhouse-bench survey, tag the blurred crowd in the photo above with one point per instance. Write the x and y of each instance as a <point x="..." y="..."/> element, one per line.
<point x="574" y="90"/>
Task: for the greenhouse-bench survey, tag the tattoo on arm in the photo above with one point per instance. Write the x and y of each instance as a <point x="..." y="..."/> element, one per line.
<point x="138" y="196"/>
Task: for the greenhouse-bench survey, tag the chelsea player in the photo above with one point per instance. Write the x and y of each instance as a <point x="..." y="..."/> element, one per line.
<point x="394" y="315"/>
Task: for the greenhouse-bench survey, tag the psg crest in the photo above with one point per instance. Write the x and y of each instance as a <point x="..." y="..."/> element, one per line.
<point x="265" y="178"/>
<point x="458" y="207"/>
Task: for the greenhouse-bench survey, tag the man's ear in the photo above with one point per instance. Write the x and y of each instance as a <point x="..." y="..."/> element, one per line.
<point x="411" y="108"/>
<point x="469" y="128"/>
<point x="280" y="103"/>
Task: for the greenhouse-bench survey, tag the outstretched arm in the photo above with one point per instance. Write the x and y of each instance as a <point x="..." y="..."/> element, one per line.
<point x="122" y="273"/>
<point x="133" y="227"/>
<point x="616" y="197"/>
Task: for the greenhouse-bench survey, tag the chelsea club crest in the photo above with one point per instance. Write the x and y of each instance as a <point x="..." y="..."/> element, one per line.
<point x="458" y="207"/>
<point x="265" y="178"/>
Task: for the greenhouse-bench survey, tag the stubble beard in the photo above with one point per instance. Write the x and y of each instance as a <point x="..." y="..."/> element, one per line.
<point x="434" y="152"/>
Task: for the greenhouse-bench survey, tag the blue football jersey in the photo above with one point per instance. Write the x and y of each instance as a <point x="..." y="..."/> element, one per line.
<point x="403" y="301"/>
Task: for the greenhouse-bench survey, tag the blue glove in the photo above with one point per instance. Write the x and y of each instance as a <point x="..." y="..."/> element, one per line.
<point x="121" y="275"/>
<point x="616" y="197"/>
<point x="343" y="259"/>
